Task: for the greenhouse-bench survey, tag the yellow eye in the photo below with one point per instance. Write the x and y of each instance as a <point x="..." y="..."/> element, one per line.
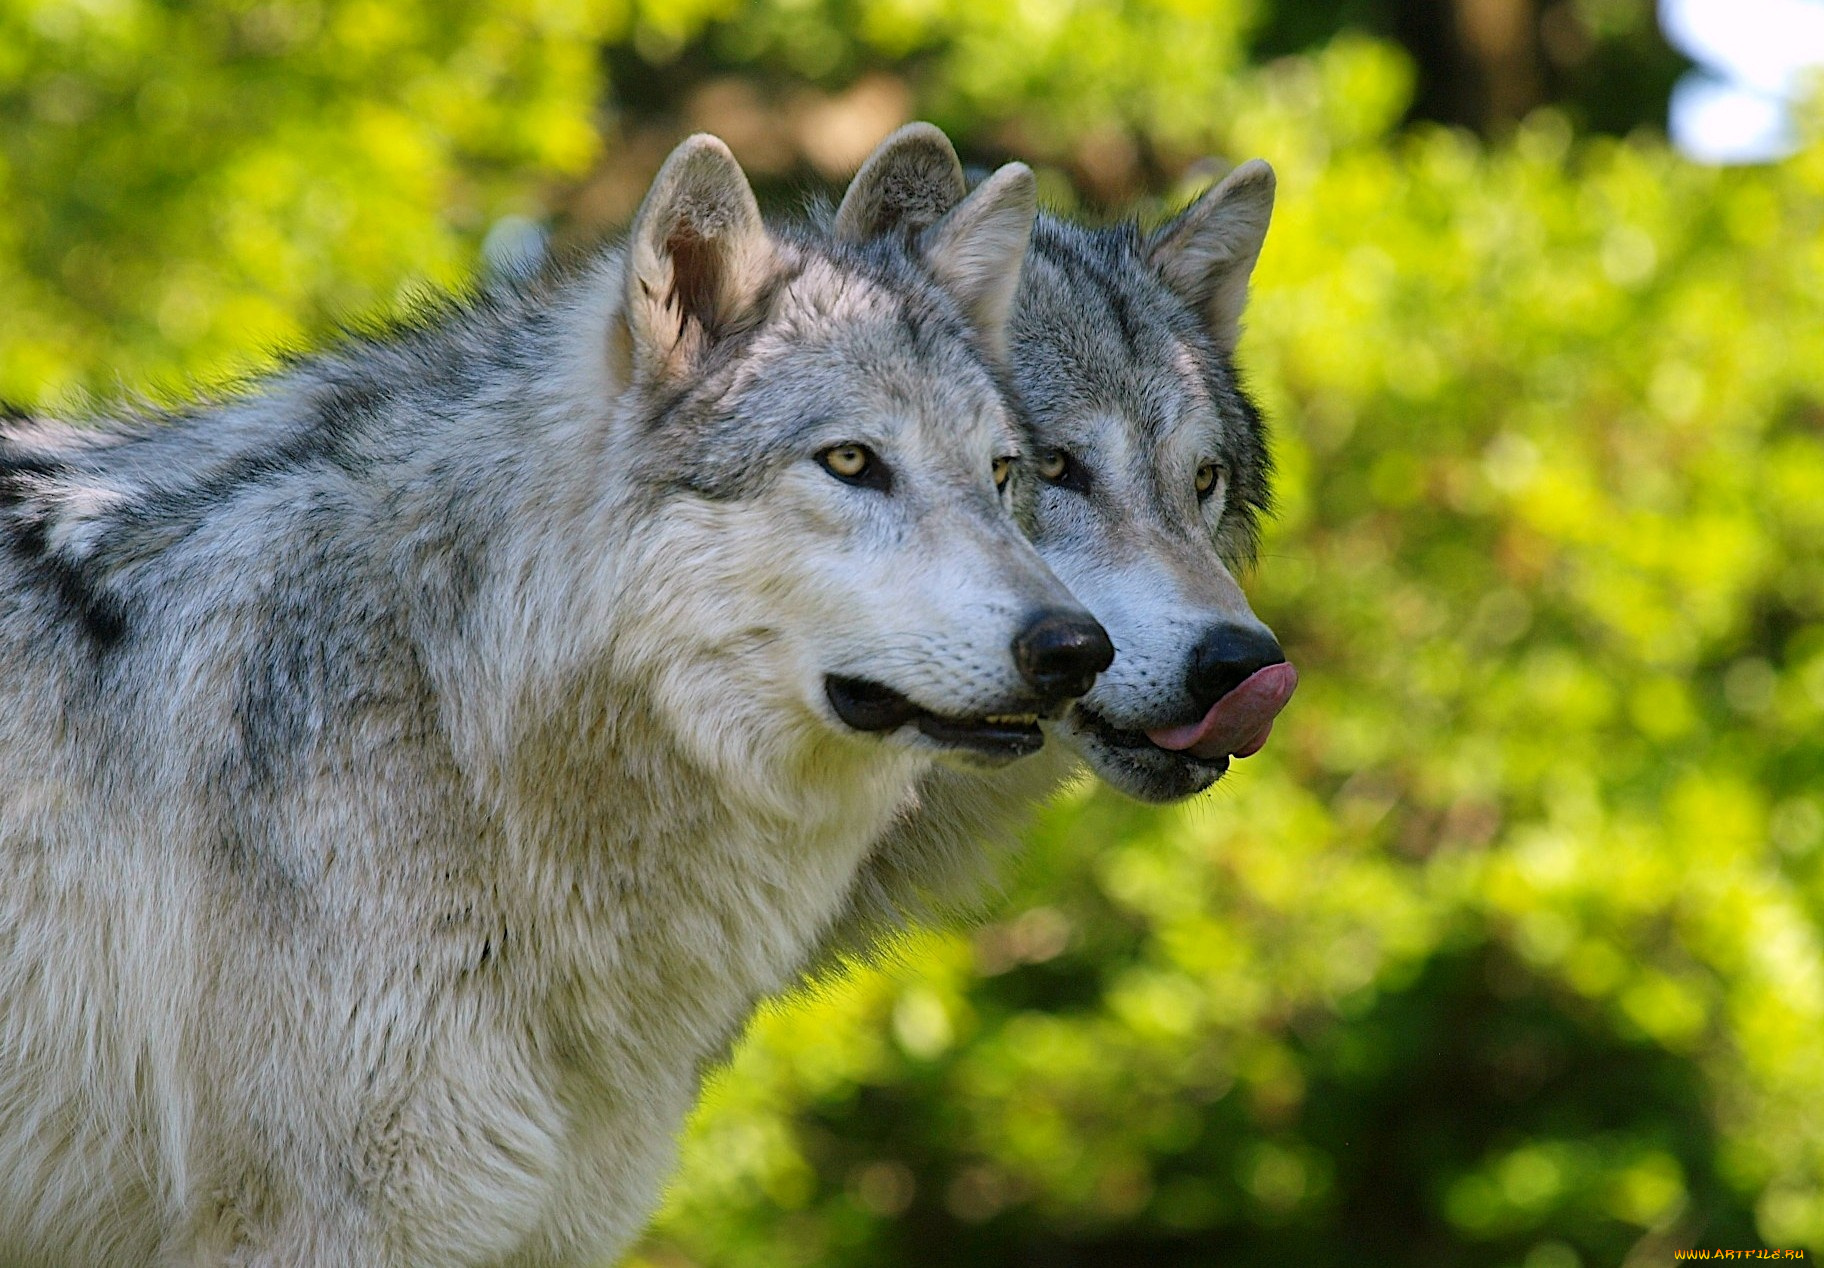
<point x="849" y="462"/>
<point x="1053" y="464"/>
<point x="1207" y="475"/>
<point x="1003" y="469"/>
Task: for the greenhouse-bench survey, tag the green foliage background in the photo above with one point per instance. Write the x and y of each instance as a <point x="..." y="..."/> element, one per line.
<point x="1507" y="950"/>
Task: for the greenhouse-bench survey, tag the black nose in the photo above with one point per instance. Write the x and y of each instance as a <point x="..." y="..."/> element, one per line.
<point x="1060" y="653"/>
<point x="1226" y="657"/>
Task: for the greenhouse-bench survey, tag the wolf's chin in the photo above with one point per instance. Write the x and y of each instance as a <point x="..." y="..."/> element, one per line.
<point x="1134" y="764"/>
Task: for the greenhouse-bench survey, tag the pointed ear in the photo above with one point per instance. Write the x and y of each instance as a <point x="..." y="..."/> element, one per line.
<point x="907" y="184"/>
<point x="698" y="257"/>
<point x="977" y="249"/>
<point x="1208" y="252"/>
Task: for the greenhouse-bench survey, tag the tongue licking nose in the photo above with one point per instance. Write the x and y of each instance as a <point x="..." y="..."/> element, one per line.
<point x="1238" y="724"/>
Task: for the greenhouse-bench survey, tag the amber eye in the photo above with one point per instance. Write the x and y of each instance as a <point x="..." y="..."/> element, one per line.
<point x="847" y="462"/>
<point x="857" y="465"/>
<point x="1207" y="476"/>
<point x="1057" y="467"/>
<point x="1003" y="469"/>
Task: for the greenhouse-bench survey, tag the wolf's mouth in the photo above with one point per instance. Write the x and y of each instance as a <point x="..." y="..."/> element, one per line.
<point x="870" y="706"/>
<point x="1118" y="737"/>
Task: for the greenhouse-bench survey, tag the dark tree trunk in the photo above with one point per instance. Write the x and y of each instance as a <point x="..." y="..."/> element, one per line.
<point x="1481" y="63"/>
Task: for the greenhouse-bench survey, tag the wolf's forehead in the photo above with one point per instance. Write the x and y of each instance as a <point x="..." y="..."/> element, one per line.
<point x="842" y="342"/>
<point x="878" y="391"/>
<point x="1076" y="377"/>
<point x="823" y="294"/>
<point x="1098" y="336"/>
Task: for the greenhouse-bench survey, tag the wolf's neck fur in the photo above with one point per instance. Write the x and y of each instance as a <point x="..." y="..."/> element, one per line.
<point x="668" y="903"/>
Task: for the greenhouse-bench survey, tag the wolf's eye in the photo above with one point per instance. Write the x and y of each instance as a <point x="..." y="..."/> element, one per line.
<point x="1003" y="470"/>
<point x="1208" y="474"/>
<point x="1059" y="468"/>
<point x="847" y="461"/>
<point x="855" y="464"/>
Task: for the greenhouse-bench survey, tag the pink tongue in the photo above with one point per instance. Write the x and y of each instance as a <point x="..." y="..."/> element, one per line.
<point x="1239" y="723"/>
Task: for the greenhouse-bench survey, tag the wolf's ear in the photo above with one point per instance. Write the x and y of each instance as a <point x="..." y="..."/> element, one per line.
<point x="1207" y="253"/>
<point x="698" y="257"/>
<point x="977" y="248"/>
<point x="907" y="184"/>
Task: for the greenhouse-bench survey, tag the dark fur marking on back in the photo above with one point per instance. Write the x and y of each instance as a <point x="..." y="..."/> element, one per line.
<point x="101" y="616"/>
<point x="341" y="410"/>
<point x="77" y="585"/>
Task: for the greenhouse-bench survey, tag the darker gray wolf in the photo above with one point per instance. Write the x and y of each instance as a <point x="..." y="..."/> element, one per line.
<point x="1152" y="471"/>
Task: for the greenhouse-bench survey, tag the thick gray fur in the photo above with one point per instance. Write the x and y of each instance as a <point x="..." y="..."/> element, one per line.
<point x="414" y="768"/>
<point x="1120" y="352"/>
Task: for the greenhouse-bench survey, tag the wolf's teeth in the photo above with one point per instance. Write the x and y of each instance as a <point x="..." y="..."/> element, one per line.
<point x="1013" y="719"/>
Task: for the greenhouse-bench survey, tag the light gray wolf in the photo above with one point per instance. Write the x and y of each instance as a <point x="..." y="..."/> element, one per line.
<point x="1153" y="472"/>
<point x="414" y="767"/>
